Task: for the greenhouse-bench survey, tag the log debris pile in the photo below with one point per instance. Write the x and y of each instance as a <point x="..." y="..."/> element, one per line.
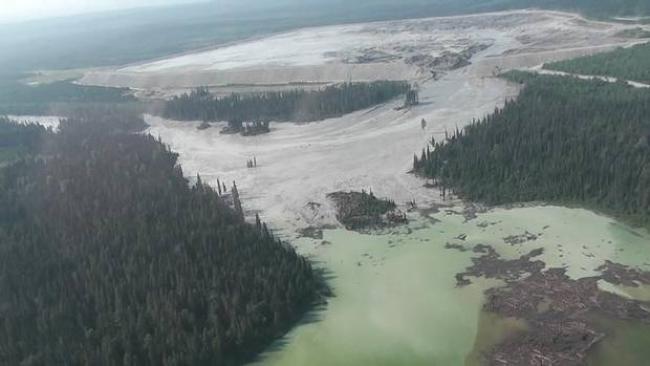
<point x="555" y="307"/>
<point x="362" y="211"/>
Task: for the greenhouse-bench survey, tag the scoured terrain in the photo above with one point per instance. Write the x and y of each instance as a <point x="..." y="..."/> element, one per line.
<point x="397" y="300"/>
<point x="393" y="50"/>
<point x="298" y="165"/>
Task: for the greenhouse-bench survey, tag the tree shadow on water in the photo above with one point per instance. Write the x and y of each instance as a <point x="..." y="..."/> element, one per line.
<point x="314" y="315"/>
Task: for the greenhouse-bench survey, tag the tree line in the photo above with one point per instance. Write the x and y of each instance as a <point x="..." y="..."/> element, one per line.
<point x="18" y="98"/>
<point x="631" y="63"/>
<point x="109" y="257"/>
<point x="563" y="140"/>
<point x="297" y="105"/>
<point x="602" y="9"/>
<point x="17" y="140"/>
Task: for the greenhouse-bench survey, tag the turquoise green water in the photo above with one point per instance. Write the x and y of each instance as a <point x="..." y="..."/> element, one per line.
<point x="396" y="301"/>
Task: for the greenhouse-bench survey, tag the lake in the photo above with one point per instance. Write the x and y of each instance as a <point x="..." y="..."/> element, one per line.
<point x="396" y="300"/>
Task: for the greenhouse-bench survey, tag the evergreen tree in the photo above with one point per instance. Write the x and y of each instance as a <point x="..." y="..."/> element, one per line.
<point x="109" y="257"/>
<point x="631" y="63"/>
<point x="295" y="105"/>
<point x="563" y="140"/>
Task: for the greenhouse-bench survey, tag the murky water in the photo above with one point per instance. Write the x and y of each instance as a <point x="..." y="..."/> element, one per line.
<point x="396" y="301"/>
<point x="626" y="344"/>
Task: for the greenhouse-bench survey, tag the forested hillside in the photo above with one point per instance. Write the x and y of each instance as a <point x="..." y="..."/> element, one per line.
<point x="624" y="63"/>
<point x="109" y="257"/>
<point x="296" y="105"/>
<point x="17" y="140"/>
<point x="563" y="140"/>
<point x="21" y="99"/>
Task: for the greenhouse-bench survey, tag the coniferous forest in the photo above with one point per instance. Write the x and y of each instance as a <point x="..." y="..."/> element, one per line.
<point x="18" y="98"/>
<point x="297" y="105"/>
<point x="563" y="140"/>
<point x="17" y="140"/>
<point x="109" y="257"/>
<point x="631" y="63"/>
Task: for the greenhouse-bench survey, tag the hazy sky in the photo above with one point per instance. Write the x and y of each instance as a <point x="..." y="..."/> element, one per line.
<point x="12" y="10"/>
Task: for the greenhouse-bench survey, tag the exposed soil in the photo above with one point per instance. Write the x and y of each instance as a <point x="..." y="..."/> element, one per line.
<point x="368" y="148"/>
<point x="447" y="60"/>
<point x="395" y="50"/>
<point x="634" y="33"/>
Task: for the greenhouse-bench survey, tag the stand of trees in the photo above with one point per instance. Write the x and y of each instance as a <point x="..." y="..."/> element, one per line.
<point x="283" y="106"/>
<point x="245" y="129"/>
<point x="631" y="63"/>
<point x="17" y="140"/>
<point x="109" y="257"/>
<point x="363" y="210"/>
<point x="562" y="140"/>
<point x="21" y="99"/>
<point x="412" y="98"/>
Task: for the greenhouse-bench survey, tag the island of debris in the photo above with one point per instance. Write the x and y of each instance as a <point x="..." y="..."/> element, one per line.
<point x="556" y="307"/>
<point x="361" y="211"/>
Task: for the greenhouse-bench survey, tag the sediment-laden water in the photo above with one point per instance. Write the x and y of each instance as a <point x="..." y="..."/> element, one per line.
<point x="396" y="297"/>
